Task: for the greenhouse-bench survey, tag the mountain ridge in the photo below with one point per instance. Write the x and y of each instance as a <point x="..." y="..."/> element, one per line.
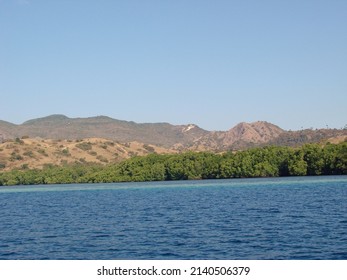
<point x="163" y="134"/>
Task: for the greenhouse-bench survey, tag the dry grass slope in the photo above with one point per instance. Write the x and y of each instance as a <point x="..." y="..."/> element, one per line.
<point x="36" y="152"/>
<point x="103" y="137"/>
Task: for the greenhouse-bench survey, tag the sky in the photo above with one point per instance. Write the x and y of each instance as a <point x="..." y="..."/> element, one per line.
<point x="213" y="63"/>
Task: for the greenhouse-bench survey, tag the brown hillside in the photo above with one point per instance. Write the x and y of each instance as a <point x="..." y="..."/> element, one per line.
<point x="241" y="136"/>
<point x="257" y="132"/>
<point x="165" y="135"/>
<point x="62" y="127"/>
<point x="36" y="153"/>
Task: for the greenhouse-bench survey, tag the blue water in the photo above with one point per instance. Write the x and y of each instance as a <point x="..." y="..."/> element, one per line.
<point x="280" y="218"/>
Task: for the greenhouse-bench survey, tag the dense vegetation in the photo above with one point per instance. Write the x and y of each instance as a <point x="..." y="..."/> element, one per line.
<point x="310" y="159"/>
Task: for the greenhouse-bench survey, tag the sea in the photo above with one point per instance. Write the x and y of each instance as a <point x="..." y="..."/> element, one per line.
<point x="292" y="218"/>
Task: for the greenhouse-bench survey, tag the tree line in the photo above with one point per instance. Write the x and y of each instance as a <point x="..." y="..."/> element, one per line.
<point x="273" y="161"/>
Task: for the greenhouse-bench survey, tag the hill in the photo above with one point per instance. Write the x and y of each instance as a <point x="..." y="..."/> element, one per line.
<point x="59" y="140"/>
<point x="36" y="153"/>
<point x="240" y="136"/>
<point x="62" y="127"/>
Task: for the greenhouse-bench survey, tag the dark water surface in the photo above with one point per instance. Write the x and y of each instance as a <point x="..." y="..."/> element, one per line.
<point x="281" y="218"/>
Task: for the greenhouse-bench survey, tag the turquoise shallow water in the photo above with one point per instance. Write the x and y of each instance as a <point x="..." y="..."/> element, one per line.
<point x="279" y="218"/>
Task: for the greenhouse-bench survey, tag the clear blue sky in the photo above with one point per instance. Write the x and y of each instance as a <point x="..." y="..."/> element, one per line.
<point x="213" y="63"/>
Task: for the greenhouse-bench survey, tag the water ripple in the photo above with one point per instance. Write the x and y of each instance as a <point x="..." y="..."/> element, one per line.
<point x="280" y="218"/>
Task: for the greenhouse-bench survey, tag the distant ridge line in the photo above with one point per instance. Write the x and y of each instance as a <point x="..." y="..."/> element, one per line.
<point x="179" y="137"/>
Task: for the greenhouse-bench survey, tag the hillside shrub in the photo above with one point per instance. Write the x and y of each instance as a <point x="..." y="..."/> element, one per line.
<point x="15" y="156"/>
<point x="28" y="154"/>
<point x="85" y="146"/>
<point x="19" y="141"/>
<point x="42" y="152"/>
<point x="102" y="159"/>
<point x="148" y="148"/>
